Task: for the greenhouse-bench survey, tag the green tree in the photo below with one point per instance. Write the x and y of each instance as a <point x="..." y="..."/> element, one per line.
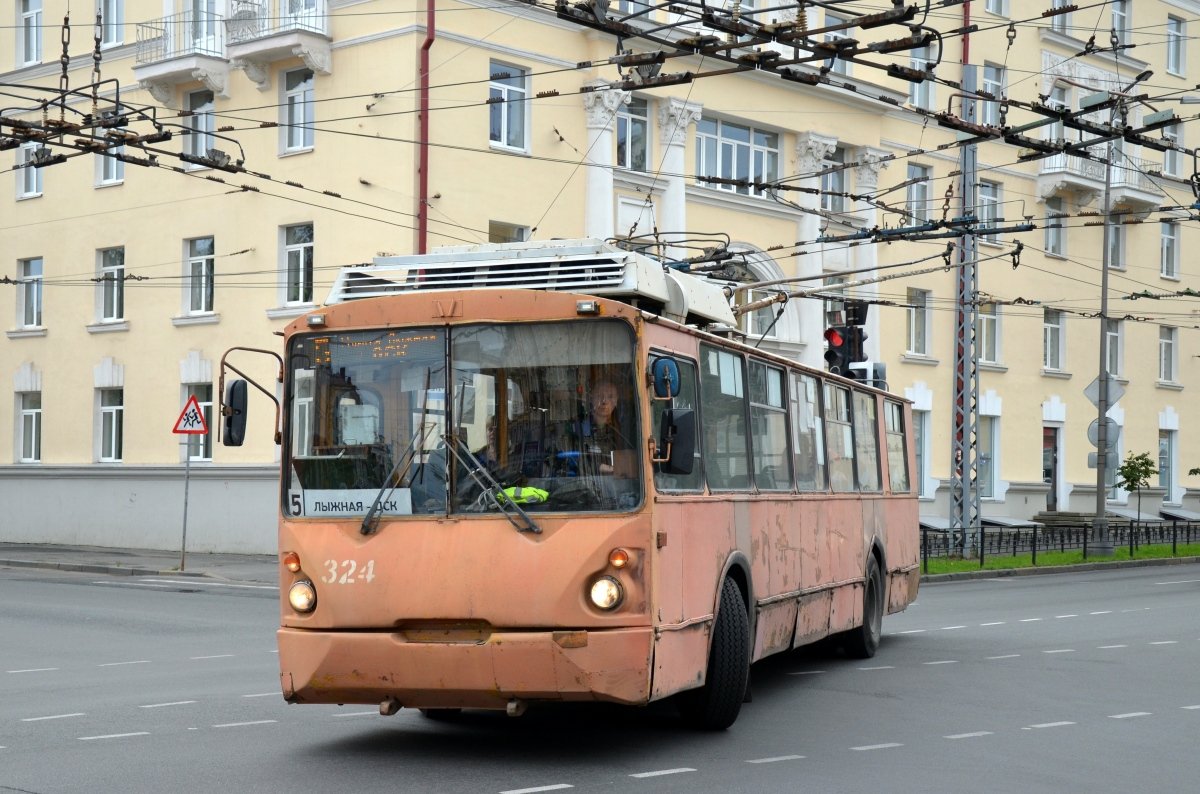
<point x="1135" y="473"/>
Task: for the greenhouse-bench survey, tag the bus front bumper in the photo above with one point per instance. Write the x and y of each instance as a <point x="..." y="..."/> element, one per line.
<point x="371" y="667"/>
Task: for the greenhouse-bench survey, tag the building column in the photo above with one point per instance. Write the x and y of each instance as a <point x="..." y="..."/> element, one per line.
<point x="601" y="107"/>
<point x="811" y="151"/>
<point x="674" y="118"/>
<point x="866" y="180"/>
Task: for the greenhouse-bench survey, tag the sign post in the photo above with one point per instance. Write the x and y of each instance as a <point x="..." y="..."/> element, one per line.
<point x="190" y="423"/>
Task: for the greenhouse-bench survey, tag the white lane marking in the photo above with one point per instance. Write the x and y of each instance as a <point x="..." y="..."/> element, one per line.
<point x="216" y="584"/>
<point x="885" y="746"/>
<point x="971" y="735"/>
<point x="1108" y="647"/>
<point x="880" y="667"/>
<point x="135" y="584"/>
<point x="1061" y="650"/>
<point x="1165" y="642"/>
<point x="242" y="724"/>
<point x="807" y="672"/>
<point x="1030" y="620"/>
<point x="264" y="695"/>
<point x="1046" y="725"/>
<point x="214" y="656"/>
<point x="164" y="705"/>
<point x="551" y="787"/>
<point x="1130" y="714"/>
<point x="951" y="628"/>
<point x="1102" y="612"/>
<point x="774" y="759"/>
<point x="53" y="717"/>
<point x="33" y="670"/>
<point x="912" y="631"/>
<point x="1005" y="656"/>
<point x="374" y="713"/>
<point x="1190" y="707"/>
<point x="1181" y="581"/>
<point x="113" y="736"/>
<point x="943" y="661"/>
<point x="993" y="623"/>
<point x="122" y="664"/>
<point x="660" y="772"/>
<point x="1060" y="617"/>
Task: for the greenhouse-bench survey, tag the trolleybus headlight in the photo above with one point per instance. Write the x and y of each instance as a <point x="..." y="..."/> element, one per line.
<point x="302" y="596"/>
<point x="606" y="593"/>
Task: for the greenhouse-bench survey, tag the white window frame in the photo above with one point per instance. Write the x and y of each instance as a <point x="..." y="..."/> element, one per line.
<point x="1061" y="23"/>
<point x="1168" y="353"/>
<point x="990" y="198"/>
<point x="837" y="65"/>
<point x="921" y="94"/>
<point x="509" y="107"/>
<point x="200" y="272"/>
<point x="997" y="7"/>
<point x="29" y="179"/>
<point x="717" y="154"/>
<point x="1168" y="249"/>
<point x="298" y="265"/>
<point x="1116" y="246"/>
<point x="110" y="170"/>
<point x="1166" y="464"/>
<point x="1121" y="13"/>
<point x="987" y="454"/>
<point x="1173" y="158"/>
<point x="921" y="441"/>
<point x="987" y="333"/>
<point x="29" y="427"/>
<point x="111" y="425"/>
<point x="916" y="195"/>
<point x="298" y="113"/>
<point x="1054" y="337"/>
<point x="199" y="446"/>
<point x="1114" y="335"/>
<point x="112" y="284"/>
<point x="633" y="119"/>
<point x="916" y="341"/>
<point x="201" y="126"/>
<point x="833" y="183"/>
<point x="29" y="34"/>
<point x="1176" y="48"/>
<point x="113" y="12"/>
<point x="30" y="273"/>
<point x="994" y="79"/>
<point x="1056" y="233"/>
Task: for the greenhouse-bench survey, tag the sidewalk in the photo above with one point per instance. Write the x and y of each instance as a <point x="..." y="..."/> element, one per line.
<point x="262" y="568"/>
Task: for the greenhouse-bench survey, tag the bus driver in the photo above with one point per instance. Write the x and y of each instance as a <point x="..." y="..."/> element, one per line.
<point x="602" y="433"/>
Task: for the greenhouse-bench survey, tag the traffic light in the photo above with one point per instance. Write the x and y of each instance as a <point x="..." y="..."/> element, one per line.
<point x="837" y="352"/>
<point x="854" y="342"/>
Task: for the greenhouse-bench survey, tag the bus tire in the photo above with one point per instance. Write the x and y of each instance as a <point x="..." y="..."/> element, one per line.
<point x="863" y="641"/>
<point x="715" y="706"/>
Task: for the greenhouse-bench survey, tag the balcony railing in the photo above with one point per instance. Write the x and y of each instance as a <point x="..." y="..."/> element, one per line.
<point x="1081" y="167"/>
<point x="1127" y="173"/>
<point x="186" y="33"/>
<point x="1130" y="172"/>
<point x="256" y="20"/>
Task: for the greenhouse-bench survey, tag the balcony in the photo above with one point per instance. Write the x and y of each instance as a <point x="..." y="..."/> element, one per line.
<point x="261" y="33"/>
<point x="181" y="48"/>
<point x="1132" y="189"/>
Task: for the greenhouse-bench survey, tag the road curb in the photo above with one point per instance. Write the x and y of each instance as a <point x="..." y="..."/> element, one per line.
<point x="117" y="570"/>
<point x="960" y="576"/>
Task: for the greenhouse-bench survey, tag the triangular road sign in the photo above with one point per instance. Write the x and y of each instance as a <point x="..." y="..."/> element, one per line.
<point x="191" y="421"/>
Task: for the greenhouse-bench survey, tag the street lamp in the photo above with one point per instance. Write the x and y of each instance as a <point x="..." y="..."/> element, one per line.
<point x="1104" y="545"/>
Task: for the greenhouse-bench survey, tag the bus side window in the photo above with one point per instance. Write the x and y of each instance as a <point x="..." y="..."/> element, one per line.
<point x="723" y="412"/>
<point x="839" y="438"/>
<point x="866" y="441"/>
<point x="808" y="432"/>
<point x="769" y="429"/>
<point x="897" y="450"/>
<point x="686" y="401"/>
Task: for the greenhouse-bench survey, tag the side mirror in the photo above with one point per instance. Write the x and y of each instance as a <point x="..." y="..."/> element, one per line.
<point x="665" y="374"/>
<point x="678" y="441"/>
<point x="233" y="414"/>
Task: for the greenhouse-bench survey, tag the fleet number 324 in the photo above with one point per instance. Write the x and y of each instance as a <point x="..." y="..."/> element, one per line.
<point x="348" y="572"/>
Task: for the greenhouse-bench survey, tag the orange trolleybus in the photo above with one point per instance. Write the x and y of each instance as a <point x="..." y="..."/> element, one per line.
<point x="524" y="473"/>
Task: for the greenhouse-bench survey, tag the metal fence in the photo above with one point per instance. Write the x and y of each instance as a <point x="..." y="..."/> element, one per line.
<point x="188" y="33"/>
<point x="1012" y="542"/>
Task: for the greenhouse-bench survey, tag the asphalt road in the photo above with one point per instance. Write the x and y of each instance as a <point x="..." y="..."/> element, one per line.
<point x="1073" y="682"/>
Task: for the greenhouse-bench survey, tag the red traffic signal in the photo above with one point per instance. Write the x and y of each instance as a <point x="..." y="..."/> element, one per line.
<point x="834" y="337"/>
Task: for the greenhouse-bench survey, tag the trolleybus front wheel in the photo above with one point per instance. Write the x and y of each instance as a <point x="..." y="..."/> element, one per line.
<point x="715" y="705"/>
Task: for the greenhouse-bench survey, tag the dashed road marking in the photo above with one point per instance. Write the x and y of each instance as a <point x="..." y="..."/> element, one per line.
<point x="807" y="672"/>
<point x="774" y="759"/>
<point x="34" y="670"/>
<point x="943" y="661"/>
<point x="1041" y="725"/>
<point x="1108" y="647"/>
<point x="661" y="772"/>
<point x="994" y="623"/>
<point x="885" y="746"/>
<point x="1165" y="642"/>
<point x="1190" y="707"/>
<point x="1060" y="650"/>
<point x="53" y="717"/>
<point x="535" y="789"/>
<point x="1129" y="715"/>
<point x="1004" y="656"/>
<point x="951" y="628"/>
<point x="880" y="667"/>
<point x="164" y="705"/>
<point x="1060" y="617"/>
<point x="1030" y="620"/>
<point x="912" y="631"/>
<point x="263" y="695"/>
<point x="971" y="735"/>
<point x="113" y="736"/>
<point x="359" y="714"/>
<point x="122" y="664"/>
<point x="243" y="724"/>
<point x="1181" y="581"/>
<point x="214" y="656"/>
<point x="1102" y="612"/>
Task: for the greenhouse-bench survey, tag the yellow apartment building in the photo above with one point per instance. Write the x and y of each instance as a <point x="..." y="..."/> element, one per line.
<point x="128" y="277"/>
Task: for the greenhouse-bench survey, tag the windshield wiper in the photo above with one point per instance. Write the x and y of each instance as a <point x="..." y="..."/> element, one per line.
<point x="371" y="519"/>
<point x="487" y="483"/>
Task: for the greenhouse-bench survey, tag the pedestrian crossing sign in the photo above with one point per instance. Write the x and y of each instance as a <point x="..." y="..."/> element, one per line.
<point x="191" y="421"/>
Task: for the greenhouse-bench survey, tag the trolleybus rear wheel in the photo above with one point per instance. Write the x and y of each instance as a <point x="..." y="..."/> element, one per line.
<point x="715" y="705"/>
<point x="863" y="641"/>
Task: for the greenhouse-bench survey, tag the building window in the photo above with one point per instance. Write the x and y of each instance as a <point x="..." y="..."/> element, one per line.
<point x="833" y="183"/>
<point x="112" y="416"/>
<point x="1056" y="237"/>
<point x="113" y="20"/>
<point x="920" y="437"/>
<point x="1172" y="158"/>
<point x="986" y="447"/>
<point x="989" y="210"/>
<point x="997" y="7"/>
<point x="30" y="34"/>
<point x="1113" y="339"/>
<point x="30" y="407"/>
<point x="1176" y="36"/>
<point x="918" y="322"/>
<point x="112" y="284"/>
<point x="1053" y="337"/>
<point x="632" y="7"/>
<point x="501" y="232"/>
<point x="916" y="199"/>
<point x="993" y="83"/>
<point x="200" y="272"/>
<point x="298" y="252"/>
<point x="735" y="151"/>
<point x="29" y="272"/>
<point x="761" y="323"/>
<point x="1167" y="361"/>
<point x="1116" y="246"/>
<point x="507" y="94"/>
<point x="29" y="179"/>
<point x="633" y="135"/>
<point x="1120" y="19"/>
<point x="987" y="333"/>
<point x="837" y="65"/>
<point x="199" y="447"/>
<point x="1168" y="252"/>
<point x="298" y="110"/>
<point x="201" y="124"/>
<point x="1166" y="461"/>
<point x="109" y="169"/>
<point x="920" y="94"/>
